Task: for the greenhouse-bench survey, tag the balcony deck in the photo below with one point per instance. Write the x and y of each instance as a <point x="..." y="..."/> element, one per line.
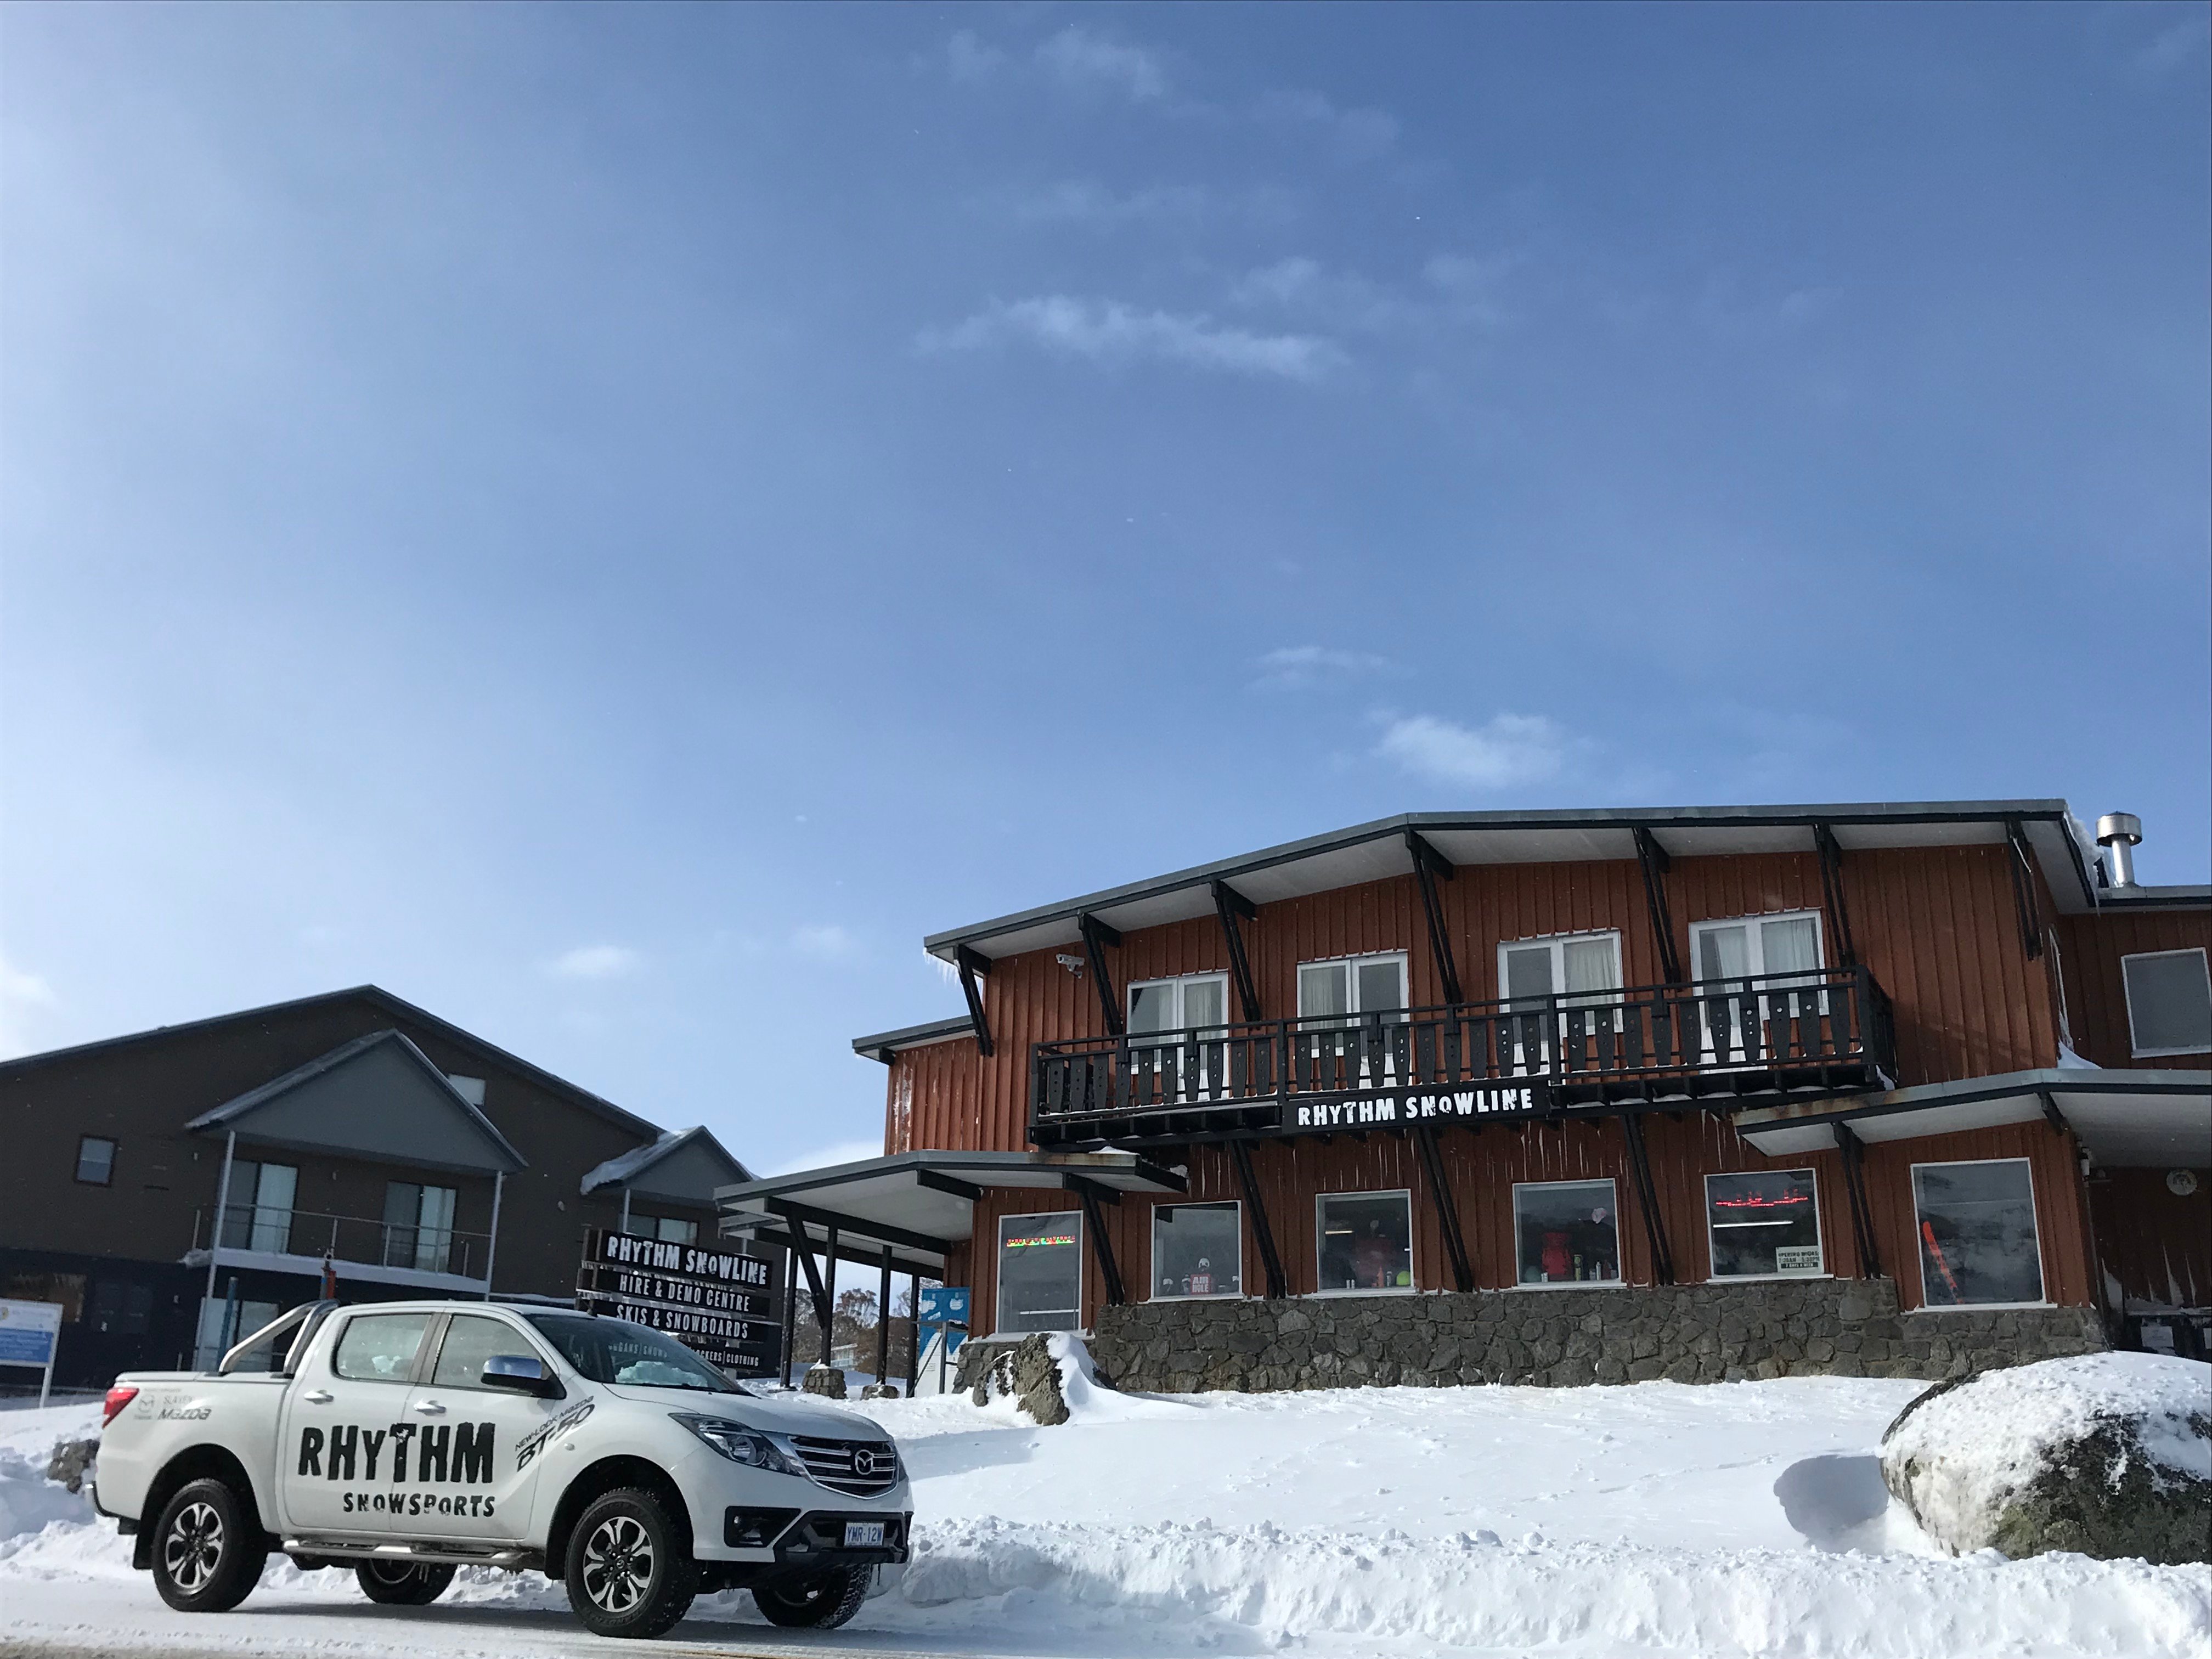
<point x="1745" y="1040"/>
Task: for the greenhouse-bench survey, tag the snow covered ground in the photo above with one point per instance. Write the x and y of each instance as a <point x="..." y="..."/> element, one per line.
<point x="1741" y="1519"/>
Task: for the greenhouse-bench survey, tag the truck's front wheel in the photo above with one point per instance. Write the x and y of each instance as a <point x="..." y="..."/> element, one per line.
<point x="822" y="1602"/>
<point x="630" y="1571"/>
<point x="208" y="1548"/>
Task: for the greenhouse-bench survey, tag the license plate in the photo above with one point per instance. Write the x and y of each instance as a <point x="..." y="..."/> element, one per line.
<point x="864" y="1534"/>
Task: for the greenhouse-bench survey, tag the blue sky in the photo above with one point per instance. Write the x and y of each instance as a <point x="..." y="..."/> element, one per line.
<point x="613" y="523"/>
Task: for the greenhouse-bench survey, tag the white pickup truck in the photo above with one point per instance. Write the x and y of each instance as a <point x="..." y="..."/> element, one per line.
<point x="409" y="1439"/>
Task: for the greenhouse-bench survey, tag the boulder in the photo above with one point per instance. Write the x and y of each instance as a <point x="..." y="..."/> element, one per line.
<point x="2108" y="1455"/>
<point x="1049" y="1377"/>
<point x="71" y="1461"/>
<point x="825" y="1380"/>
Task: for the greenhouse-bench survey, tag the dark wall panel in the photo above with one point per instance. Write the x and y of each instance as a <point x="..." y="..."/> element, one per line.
<point x="2090" y="951"/>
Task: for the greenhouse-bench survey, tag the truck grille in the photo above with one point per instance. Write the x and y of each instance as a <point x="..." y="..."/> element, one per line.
<point x="863" y="1469"/>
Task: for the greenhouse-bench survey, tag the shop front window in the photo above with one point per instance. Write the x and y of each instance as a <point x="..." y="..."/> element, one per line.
<point x="1977" y="1238"/>
<point x="1568" y="1232"/>
<point x="1365" y="1241"/>
<point x="1197" y="1251"/>
<point x="1041" y="1272"/>
<point x="1763" y="1225"/>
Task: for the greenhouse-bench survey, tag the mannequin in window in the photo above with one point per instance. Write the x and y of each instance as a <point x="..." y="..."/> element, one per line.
<point x="1375" y="1259"/>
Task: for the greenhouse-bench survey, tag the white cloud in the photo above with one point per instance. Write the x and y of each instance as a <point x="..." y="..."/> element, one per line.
<point x="595" y="962"/>
<point x="838" y="1151"/>
<point x="1356" y="135"/>
<point x="1109" y="333"/>
<point x="1506" y="751"/>
<point x="2176" y="44"/>
<point x="1077" y="56"/>
<point x="20" y="991"/>
<point x="1455" y="289"/>
<point x="824" y="943"/>
<point x="1290" y="666"/>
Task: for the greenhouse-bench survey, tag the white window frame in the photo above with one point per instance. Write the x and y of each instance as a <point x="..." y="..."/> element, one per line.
<point x="1181" y="982"/>
<point x="1820" y="1230"/>
<point x="1619" y="1254"/>
<point x="999" y="1262"/>
<point x="1351" y="966"/>
<point x="1236" y="1205"/>
<point x="2035" y="1214"/>
<point x="2127" y="995"/>
<point x="1557" y="943"/>
<point x="1753" y="926"/>
<point x="1413" y="1254"/>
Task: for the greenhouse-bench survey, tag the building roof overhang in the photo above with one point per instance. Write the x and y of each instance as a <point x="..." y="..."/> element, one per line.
<point x="2131" y="1119"/>
<point x="1374" y="851"/>
<point x="918" y="1205"/>
<point x="688" y="1165"/>
<point x="378" y="1098"/>
<point x="882" y="1045"/>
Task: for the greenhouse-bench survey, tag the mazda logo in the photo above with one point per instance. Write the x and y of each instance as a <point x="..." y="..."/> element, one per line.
<point x="864" y="1462"/>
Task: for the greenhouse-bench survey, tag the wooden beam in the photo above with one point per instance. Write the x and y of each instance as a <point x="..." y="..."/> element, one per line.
<point x="1854" y="1151"/>
<point x="2023" y="889"/>
<point x="1447" y="1208"/>
<point x="1102" y="1248"/>
<point x="1842" y="947"/>
<point x="1230" y="905"/>
<point x="1096" y="936"/>
<point x="1278" y="1287"/>
<point x="1430" y="866"/>
<point x="974" y="965"/>
<point x="1647" y="1200"/>
<point x="1653" y="859"/>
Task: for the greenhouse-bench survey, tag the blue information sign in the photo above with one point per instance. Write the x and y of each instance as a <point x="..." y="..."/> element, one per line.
<point x="946" y="1304"/>
<point x="20" y="1347"/>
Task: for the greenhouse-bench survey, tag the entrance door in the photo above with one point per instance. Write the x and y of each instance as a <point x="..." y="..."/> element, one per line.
<point x="473" y="1474"/>
<point x="343" y="1466"/>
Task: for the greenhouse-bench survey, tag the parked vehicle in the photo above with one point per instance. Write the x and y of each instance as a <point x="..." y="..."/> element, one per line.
<point x="409" y="1438"/>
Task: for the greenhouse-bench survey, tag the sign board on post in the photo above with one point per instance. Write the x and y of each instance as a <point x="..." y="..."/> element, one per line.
<point x="944" y="1307"/>
<point x="720" y="1304"/>
<point x="29" y="1333"/>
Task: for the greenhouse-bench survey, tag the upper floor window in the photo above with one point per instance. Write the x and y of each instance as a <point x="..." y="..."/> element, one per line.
<point x="418" y="1226"/>
<point x="1565" y="964"/>
<point x="259" y="1215"/>
<point x="668" y="1228"/>
<point x="1178" y="1005"/>
<point x="2169" y="1003"/>
<point x="1352" y="985"/>
<point x="1745" y="947"/>
<point x="95" y="1160"/>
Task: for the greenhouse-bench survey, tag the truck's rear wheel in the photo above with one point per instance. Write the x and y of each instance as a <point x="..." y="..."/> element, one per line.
<point x="630" y="1571"/>
<point x="208" y="1548"/>
<point x="403" y="1584"/>
<point x="821" y="1602"/>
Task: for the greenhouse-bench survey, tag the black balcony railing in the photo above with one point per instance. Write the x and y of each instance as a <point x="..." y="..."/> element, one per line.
<point x="1741" y="1039"/>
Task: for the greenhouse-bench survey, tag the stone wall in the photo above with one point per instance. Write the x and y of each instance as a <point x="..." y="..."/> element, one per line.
<point x="1560" y="1338"/>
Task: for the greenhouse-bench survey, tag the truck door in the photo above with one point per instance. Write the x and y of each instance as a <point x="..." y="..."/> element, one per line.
<point x="477" y="1450"/>
<point x="342" y="1463"/>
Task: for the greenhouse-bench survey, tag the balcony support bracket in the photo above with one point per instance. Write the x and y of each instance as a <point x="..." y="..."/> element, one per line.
<point x="1263" y="1233"/>
<point x="1230" y="905"/>
<point x="2023" y="889"/>
<point x="815" y="1293"/>
<point x="1447" y="1208"/>
<point x="1647" y="1200"/>
<point x="1832" y="893"/>
<point x="1096" y="936"/>
<point x="974" y="965"/>
<point x="1102" y="1248"/>
<point x="1854" y="1151"/>
<point x="1430" y="866"/>
<point x="1653" y="859"/>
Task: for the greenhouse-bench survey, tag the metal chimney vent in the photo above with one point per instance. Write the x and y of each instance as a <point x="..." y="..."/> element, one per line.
<point x="2119" y="833"/>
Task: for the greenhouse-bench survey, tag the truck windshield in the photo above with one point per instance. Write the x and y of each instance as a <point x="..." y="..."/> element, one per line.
<point x="615" y="1351"/>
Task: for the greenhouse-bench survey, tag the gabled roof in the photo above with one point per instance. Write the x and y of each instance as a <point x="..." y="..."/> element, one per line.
<point x="688" y="1164"/>
<point x="378" y="1096"/>
<point x="383" y="1001"/>
<point x="1373" y="851"/>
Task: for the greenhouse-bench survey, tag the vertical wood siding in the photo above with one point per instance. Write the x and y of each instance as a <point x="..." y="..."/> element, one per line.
<point x="1483" y="1164"/>
<point x="2155" y="1244"/>
<point x="2096" y="996"/>
<point x="1936" y="925"/>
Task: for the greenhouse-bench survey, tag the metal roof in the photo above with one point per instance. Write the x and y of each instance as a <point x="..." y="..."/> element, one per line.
<point x="1373" y="851"/>
<point x="884" y="1044"/>
<point x="2124" y="1119"/>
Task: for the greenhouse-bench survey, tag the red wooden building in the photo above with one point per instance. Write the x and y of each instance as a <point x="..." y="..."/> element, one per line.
<point x="1851" y="1087"/>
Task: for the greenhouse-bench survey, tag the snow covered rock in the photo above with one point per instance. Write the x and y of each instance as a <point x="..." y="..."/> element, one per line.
<point x="824" y="1380"/>
<point x="71" y="1460"/>
<point x="2108" y="1455"/>
<point x="1049" y="1378"/>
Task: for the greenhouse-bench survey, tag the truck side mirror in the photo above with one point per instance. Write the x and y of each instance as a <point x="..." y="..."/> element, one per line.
<point x="524" y="1373"/>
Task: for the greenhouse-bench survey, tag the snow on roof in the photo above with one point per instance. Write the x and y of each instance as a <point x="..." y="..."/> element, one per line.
<point x="622" y="1171"/>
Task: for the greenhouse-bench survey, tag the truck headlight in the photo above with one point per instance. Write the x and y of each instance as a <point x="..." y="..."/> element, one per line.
<point x="737" y="1442"/>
